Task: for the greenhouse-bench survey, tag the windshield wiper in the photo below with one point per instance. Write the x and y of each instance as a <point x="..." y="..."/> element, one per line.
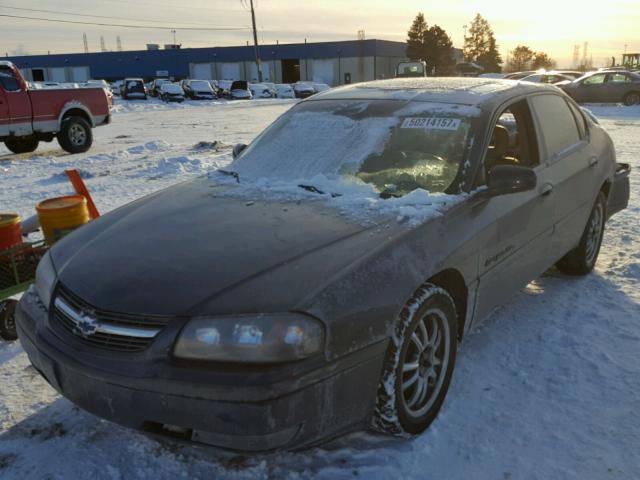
<point x="230" y="173"/>
<point x="314" y="189"/>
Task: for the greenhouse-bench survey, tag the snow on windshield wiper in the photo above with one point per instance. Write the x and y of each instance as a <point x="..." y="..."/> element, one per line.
<point x="230" y="173"/>
<point x="311" y="188"/>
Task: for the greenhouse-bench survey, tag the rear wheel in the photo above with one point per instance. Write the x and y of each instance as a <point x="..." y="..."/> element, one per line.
<point x="632" y="98"/>
<point x="8" y="320"/>
<point x="582" y="259"/>
<point x="22" y="144"/>
<point x="419" y="364"/>
<point x="75" y="136"/>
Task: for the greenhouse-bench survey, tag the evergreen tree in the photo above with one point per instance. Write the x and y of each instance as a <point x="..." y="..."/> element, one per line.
<point x="415" y="38"/>
<point x="480" y="45"/>
<point x="438" y="50"/>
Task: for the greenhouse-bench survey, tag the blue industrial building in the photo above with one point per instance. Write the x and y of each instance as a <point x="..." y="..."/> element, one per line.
<point x="333" y="63"/>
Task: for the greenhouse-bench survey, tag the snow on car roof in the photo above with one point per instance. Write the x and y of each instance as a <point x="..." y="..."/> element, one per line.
<point x="459" y="90"/>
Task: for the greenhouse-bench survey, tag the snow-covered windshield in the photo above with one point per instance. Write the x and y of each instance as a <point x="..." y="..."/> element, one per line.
<point x="200" y="86"/>
<point x="394" y="146"/>
<point x="172" y="88"/>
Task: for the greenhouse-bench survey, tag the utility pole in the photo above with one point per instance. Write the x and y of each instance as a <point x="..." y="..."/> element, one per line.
<point x="86" y="44"/>
<point x="255" y="41"/>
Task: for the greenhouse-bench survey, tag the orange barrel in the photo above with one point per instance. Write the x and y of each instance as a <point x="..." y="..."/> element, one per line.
<point x="59" y="216"/>
<point x="10" y="230"/>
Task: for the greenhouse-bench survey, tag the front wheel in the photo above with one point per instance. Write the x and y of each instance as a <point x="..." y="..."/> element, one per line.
<point x="632" y="98"/>
<point x="75" y="136"/>
<point x="8" y="320"/>
<point x="582" y="259"/>
<point x="22" y="144"/>
<point x="419" y="364"/>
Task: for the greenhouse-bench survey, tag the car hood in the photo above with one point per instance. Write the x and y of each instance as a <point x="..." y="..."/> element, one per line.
<point x="178" y="251"/>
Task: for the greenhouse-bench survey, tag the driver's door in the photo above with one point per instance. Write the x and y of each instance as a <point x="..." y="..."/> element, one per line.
<point x="592" y="89"/>
<point x="4" y="113"/>
<point x="513" y="246"/>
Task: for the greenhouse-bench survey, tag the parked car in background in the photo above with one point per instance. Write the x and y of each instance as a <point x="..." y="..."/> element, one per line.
<point x="605" y="87"/>
<point x="224" y="88"/>
<point x="272" y="88"/>
<point x="306" y="319"/>
<point x="284" y="90"/>
<point x="320" y="87"/>
<point x="548" y="77"/>
<point x="303" y="89"/>
<point x="260" y="90"/>
<point x="155" y="86"/>
<point x="198" y="90"/>
<point x="239" y="90"/>
<point x="570" y="73"/>
<point x="134" y="89"/>
<point x="116" y="87"/>
<point x="411" y="69"/>
<point x="171" y="92"/>
<point x="519" y="75"/>
<point x="29" y="116"/>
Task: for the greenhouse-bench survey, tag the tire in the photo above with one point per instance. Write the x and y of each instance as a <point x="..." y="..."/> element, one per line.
<point x="75" y="136"/>
<point x="631" y="98"/>
<point x="8" y="320"/>
<point x="582" y="259"/>
<point x="404" y="404"/>
<point x="22" y="144"/>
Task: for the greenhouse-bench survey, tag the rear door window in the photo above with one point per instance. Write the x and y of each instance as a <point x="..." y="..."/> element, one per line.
<point x="582" y="124"/>
<point x="556" y="123"/>
<point x="619" y="78"/>
<point x="8" y="80"/>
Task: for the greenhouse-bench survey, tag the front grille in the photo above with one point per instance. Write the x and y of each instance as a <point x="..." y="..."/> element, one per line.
<point x="113" y="331"/>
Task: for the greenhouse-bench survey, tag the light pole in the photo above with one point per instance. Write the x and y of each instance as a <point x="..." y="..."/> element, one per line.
<point x="255" y="41"/>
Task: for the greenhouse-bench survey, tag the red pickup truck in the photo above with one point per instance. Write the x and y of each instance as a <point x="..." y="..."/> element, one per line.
<point x="30" y="115"/>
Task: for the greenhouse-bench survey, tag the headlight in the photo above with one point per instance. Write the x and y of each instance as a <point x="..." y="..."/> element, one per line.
<point x="45" y="279"/>
<point x="269" y="338"/>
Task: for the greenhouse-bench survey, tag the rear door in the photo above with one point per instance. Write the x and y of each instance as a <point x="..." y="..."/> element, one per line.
<point x="571" y="162"/>
<point x="617" y="86"/>
<point x="17" y="101"/>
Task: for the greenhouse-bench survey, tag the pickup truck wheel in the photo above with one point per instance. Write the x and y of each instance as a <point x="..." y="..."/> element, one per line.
<point x="75" y="136"/>
<point x="22" y="144"/>
<point x="582" y="259"/>
<point x="632" y="98"/>
<point x="8" y="320"/>
<point x="419" y="364"/>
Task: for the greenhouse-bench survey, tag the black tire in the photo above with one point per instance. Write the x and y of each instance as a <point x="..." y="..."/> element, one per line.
<point x="631" y="98"/>
<point x="582" y="259"/>
<point x="75" y="136"/>
<point x="8" y="320"/>
<point x="394" y="413"/>
<point x="22" y="144"/>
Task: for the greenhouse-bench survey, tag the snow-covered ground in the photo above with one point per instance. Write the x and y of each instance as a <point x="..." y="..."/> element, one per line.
<point x="547" y="388"/>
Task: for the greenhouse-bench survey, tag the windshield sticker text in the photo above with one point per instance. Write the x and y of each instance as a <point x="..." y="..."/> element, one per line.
<point x="431" y="123"/>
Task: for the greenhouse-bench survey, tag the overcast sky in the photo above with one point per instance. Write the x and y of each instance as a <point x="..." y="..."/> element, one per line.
<point x="554" y="26"/>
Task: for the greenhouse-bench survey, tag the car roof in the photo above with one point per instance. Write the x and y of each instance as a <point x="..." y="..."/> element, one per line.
<point x="4" y="63"/>
<point x="455" y="90"/>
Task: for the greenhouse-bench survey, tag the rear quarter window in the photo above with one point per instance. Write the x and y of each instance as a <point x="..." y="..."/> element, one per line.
<point x="556" y="123"/>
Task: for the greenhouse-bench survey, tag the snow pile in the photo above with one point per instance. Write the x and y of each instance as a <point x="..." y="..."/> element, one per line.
<point x="352" y="197"/>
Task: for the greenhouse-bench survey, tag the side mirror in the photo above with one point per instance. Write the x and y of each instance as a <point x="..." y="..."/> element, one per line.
<point x="238" y="148"/>
<point x="505" y="179"/>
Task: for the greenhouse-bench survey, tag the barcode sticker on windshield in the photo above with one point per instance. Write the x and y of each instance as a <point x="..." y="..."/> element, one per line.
<point x="431" y="123"/>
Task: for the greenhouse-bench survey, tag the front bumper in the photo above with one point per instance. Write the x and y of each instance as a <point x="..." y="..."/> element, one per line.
<point x="234" y="408"/>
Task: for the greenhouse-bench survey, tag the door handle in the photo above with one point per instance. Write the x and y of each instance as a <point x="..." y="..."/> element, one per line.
<point x="546" y="190"/>
<point x="593" y="161"/>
